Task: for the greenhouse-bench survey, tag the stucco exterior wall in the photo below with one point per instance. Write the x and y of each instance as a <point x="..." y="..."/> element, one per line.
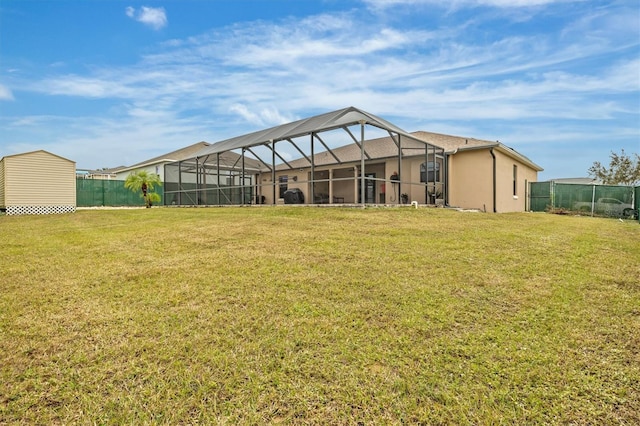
<point x="471" y="180"/>
<point x="39" y="182"/>
<point x="506" y="199"/>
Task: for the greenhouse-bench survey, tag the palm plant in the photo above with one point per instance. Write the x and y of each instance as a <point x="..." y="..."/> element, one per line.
<point x="143" y="181"/>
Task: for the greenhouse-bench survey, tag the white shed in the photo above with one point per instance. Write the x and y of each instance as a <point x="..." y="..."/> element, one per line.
<point x="37" y="182"/>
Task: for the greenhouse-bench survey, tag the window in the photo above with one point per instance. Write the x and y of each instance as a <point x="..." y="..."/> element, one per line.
<point x="430" y="172"/>
<point x="283" y="185"/>
<point x="515" y="180"/>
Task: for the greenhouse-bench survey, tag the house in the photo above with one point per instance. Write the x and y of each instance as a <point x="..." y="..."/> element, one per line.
<point x="484" y="175"/>
<point x="37" y="182"/>
<point x="101" y="174"/>
<point x="578" y="181"/>
<point x="423" y="167"/>
<point x="469" y="173"/>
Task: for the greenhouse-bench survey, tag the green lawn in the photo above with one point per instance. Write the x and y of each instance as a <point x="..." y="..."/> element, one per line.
<point x="318" y="316"/>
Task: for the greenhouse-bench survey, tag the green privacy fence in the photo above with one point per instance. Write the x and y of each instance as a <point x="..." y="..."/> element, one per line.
<point x="594" y="200"/>
<point x="540" y="196"/>
<point x="108" y="193"/>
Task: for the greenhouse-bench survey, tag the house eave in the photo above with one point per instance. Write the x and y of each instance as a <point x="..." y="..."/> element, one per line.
<point x="501" y="148"/>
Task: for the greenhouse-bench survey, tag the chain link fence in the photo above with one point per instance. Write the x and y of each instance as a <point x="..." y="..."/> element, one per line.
<point x="593" y="200"/>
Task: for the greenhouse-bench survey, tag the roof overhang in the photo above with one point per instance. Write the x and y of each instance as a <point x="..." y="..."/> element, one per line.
<point x="503" y="149"/>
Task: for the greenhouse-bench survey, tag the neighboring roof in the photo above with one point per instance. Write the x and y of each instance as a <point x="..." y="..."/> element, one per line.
<point x="33" y="152"/>
<point x="177" y="155"/>
<point x="103" y="172"/>
<point x="111" y="170"/>
<point x="578" y="181"/>
<point x="319" y="123"/>
<point x="454" y="144"/>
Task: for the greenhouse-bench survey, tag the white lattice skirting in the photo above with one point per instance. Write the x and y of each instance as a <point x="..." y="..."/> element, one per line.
<point x="18" y="210"/>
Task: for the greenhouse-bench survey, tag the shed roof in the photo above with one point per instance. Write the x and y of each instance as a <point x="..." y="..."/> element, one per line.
<point x="34" y="152"/>
<point x="319" y="123"/>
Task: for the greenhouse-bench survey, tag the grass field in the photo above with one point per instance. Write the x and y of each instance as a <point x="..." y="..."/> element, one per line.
<point x="318" y="316"/>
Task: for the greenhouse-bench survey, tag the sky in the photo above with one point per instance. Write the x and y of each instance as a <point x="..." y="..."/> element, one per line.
<point x="115" y="82"/>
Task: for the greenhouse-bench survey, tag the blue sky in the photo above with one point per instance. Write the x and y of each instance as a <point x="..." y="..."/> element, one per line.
<point x="108" y="83"/>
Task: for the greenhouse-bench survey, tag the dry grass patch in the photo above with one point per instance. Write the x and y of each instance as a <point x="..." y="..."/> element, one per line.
<point x="302" y="315"/>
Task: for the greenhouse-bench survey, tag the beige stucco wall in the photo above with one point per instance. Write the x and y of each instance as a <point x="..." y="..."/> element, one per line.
<point x="39" y="178"/>
<point x="471" y="181"/>
<point x="505" y="200"/>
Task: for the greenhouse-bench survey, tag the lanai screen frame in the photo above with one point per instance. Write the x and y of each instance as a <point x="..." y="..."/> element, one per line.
<point x="311" y="127"/>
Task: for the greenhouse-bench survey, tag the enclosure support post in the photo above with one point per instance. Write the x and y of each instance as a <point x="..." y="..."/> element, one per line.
<point x="362" y="178"/>
<point x="273" y="171"/>
<point x="312" y="198"/>
<point x="180" y="183"/>
<point x="218" y="173"/>
<point x="400" y="173"/>
<point x="242" y="180"/>
<point x="197" y="182"/>
<point x="330" y="185"/>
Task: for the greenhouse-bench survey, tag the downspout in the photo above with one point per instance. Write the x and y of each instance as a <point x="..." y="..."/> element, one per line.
<point x="495" y="210"/>
<point x="447" y="172"/>
<point x="446" y="180"/>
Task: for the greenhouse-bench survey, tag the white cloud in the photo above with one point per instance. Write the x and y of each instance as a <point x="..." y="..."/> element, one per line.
<point x="448" y="4"/>
<point x="253" y="75"/>
<point x="395" y="71"/>
<point x="5" y="93"/>
<point x="154" y="17"/>
<point x="266" y="117"/>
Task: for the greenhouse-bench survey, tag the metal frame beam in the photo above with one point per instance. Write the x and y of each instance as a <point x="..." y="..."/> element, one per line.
<point x="346" y="129"/>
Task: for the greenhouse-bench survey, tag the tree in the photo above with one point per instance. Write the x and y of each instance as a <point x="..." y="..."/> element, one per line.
<point x="623" y="170"/>
<point x="143" y="181"/>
